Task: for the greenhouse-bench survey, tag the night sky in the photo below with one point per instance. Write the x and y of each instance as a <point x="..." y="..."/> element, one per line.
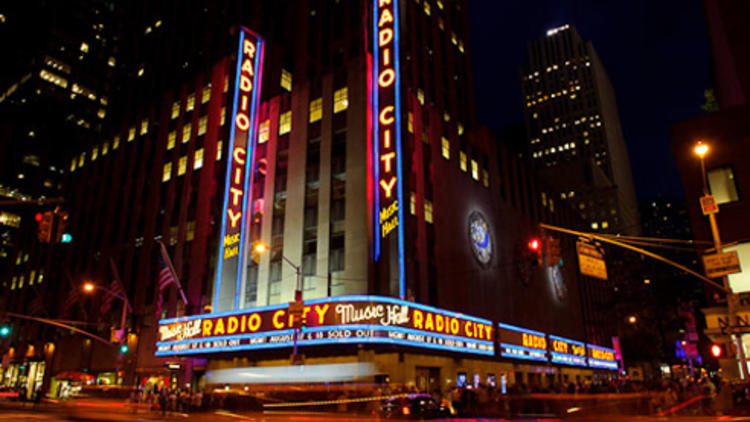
<point x="656" y="54"/>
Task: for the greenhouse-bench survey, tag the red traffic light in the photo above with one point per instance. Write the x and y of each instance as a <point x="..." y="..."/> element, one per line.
<point x="535" y="244"/>
<point x="38" y="217"/>
<point x="716" y="350"/>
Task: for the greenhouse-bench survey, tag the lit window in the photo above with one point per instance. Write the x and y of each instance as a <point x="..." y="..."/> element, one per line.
<point x="486" y="178"/>
<point x="605" y="224"/>
<point x="462" y="161"/>
<point x="171" y="139"/>
<point x="439" y="4"/>
<point x="13" y="283"/>
<point x="144" y="126"/>
<point x="94" y="153"/>
<point x="81" y="159"/>
<point x="190" y="102"/>
<point x="410" y="122"/>
<point x="474" y="170"/>
<point x="263" y="131"/>
<point x="340" y="100"/>
<point x="186" y="132"/>
<point x="190" y="234"/>
<point x="116" y="142"/>
<point x="84" y="47"/>
<point x="420" y="96"/>
<point x="175" y="109"/>
<point x="454" y="38"/>
<point x="594" y="225"/>
<point x="131" y="133"/>
<point x="206" y="94"/>
<point x="182" y="166"/>
<point x="723" y="185"/>
<point x="427" y="8"/>
<point x="105" y="148"/>
<point x="73" y="165"/>
<point x="285" y="123"/>
<point x="446" y="148"/>
<point x="219" y="145"/>
<point x="111" y="62"/>
<point x="446" y="117"/>
<point x="198" y="160"/>
<point x="316" y="110"/>
<point x="223" y="116"/>
<point x="428" y="211"/>
<point x="52" y="78"/>
<point x="286" y="80"/>
<point x="460" y="129"/>
<point x="101" y="113"/>
<point x="226" y="83"/>
<point x="202" y="125"/>
<point x="413" y="203"/>
<point x="461" y="46"/>
<point x="167" y="172"/>
<point x="140" y="71"/>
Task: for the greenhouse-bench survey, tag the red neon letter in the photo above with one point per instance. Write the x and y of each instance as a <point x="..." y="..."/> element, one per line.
<point x="385" y="17"/>
<point x="234" y="217"/>
<point x="388" y="186"/>
<point x="385" y="36"/>
<point x="248" y="48"/>
<point x="387" y="158"/>
<point x="247" y="66"/>
<point x="245" y="83"/>
<point x="236" y="193"/>
<point x="386" y="78"/>
<point x="239" y="151"/>
<point x="243" y="123"/>
<point x="385" y="119"/>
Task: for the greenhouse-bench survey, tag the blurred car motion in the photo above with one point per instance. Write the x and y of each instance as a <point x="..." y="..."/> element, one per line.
<point x="412" y="406"/>
<point x="102" y="403"/>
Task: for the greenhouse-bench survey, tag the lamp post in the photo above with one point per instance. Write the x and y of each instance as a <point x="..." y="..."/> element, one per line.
<point x="701" y="149"/>
<point x="261" y="248"/>
<point x="90" y="287"/>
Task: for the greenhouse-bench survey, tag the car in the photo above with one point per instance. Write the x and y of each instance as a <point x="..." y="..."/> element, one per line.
<point x="102" y="403"/>
<point x="412" y="406"/>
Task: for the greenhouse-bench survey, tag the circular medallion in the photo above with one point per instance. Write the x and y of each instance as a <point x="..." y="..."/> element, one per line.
<point x="480" y="238"/>
<point x="556" y="278"/>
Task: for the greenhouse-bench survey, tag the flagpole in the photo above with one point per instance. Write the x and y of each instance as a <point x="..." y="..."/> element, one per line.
<point x="168" y="261"/>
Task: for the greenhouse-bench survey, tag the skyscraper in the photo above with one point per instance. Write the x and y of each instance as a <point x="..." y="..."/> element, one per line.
<point x="574" y="134"/>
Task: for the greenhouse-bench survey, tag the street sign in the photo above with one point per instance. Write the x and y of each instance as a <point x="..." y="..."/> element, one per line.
<point x="591" y="261"/>
<point x="721" y="264"/>
<point x="709" y="205"/>
<point x="296" y="308"/>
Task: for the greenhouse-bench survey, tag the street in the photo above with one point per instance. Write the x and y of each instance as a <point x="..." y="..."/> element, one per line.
<point x="53" y="413"/>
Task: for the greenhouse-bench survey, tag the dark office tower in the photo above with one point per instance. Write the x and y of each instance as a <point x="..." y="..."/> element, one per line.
<point x="730" y="43"/>
<point x="58" y="61"/>
<point x="574" y="131"/>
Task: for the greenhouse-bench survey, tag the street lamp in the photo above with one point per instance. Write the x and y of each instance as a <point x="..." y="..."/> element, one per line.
<point x="89" y="287"/>
<point x="632" y="319"/>
<point x="701" y="150"/>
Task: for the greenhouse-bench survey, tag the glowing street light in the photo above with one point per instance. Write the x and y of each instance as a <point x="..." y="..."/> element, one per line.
<point x="89" y="287"/>
<point x="632" y="319"/>
<point x="701" y="149"/>
<point x="260" y="248"/>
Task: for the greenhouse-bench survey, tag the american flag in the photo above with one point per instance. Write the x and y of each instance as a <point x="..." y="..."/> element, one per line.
<point x="167" y="277"/>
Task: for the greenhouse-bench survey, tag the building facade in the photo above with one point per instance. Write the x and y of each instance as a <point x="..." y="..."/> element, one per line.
<point x="574" y="133"/>
<point x="361" y="171"/>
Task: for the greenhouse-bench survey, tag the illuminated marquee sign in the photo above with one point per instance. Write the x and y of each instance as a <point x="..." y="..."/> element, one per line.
<point x="386" y="140"/>
<point x="239" y="164"/>
<point x="601" y="357"/>
<point x="520" y="343"/>
<point x="336" y="320"/>
<point x="567" y="351"/>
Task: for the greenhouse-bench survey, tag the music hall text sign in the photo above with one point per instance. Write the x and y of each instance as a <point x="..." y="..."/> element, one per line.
<point x="243" y="126"/>
<point x="337" y="320"/>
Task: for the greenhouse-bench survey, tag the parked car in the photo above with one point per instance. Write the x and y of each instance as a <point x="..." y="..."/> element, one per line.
<point x="412" y="406"/>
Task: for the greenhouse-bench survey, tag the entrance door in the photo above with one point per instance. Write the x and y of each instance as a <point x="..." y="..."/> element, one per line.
<point x="427" y="379"/>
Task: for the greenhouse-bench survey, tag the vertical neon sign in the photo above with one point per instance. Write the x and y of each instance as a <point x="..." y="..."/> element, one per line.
<point x="242" y="134"/>
<point x="388" y="215"/>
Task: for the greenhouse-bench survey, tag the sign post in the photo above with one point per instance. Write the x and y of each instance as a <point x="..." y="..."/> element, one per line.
<point x="721" y="264"/>
<point x="591" y="261"/>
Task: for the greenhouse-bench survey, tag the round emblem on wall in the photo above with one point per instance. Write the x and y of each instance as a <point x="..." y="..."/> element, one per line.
<point x="480" y="238"/>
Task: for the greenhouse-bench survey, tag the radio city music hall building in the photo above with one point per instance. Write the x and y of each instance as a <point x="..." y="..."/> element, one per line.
<point x="350" y="150"/>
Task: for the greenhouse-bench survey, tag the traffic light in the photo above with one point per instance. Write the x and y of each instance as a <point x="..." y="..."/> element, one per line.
<point x="124" y="348"/>
<point x="553" y="252"/>
<point x="61" y="223"/>
<point x="303" y="322"/>
<point x="535" y="248"/>
<point x="716" y="350"/>
<point x="4" y="331"/>
<point x="45" y="226"/>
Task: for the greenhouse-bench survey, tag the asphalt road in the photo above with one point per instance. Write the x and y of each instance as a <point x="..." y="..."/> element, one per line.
<point x="53" y="415"/>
